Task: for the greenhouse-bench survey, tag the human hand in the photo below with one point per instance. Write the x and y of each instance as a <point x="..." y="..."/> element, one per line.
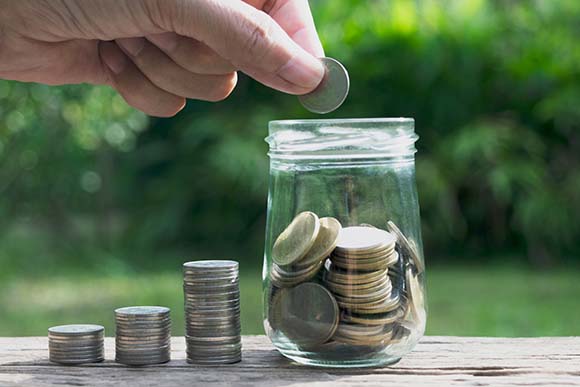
<point x="156" y="53"/>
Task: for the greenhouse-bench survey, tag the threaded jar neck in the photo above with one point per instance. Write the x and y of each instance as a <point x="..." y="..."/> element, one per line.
<point x="341" y="139"/>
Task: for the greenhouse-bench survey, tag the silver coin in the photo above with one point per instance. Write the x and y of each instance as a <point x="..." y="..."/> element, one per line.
<point x="332" y="90"/>
<point x="228" y="326"/>
<point x="214" y="287"/>
<point x="76" y="330"/>
<point x="143" y="361"/>
<point x="140" y="334"/>
<point x="75" y="346"/>
<point x="157" y="340"/>
<point x="71" y="361"/>
<point x="142" y="330"/>
<point x="211" y="265"/>
<point x="207" y="362"/>
<point x="143" y="323"/>
<point x="142" y="311"/>
<point x="230" y="308"/>
<point x="209" y="332"/>
<point x="191" y="343"/>
<point x="79" y="342"/>
<point x="213" y="349"/>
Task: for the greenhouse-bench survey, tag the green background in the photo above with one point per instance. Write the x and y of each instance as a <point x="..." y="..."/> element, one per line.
<point x="100" y="205"/>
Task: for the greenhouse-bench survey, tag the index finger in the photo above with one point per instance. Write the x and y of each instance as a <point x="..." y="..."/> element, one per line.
<point x="295" y="17"/>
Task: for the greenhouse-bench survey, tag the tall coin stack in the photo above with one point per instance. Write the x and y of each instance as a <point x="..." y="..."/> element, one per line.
<point x="76" y="344"/>
<point x="357" y="275"/>
<point x="212" y="312"/>
<point x="143" y="335"/>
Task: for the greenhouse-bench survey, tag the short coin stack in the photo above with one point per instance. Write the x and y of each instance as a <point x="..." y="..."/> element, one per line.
<point x="76" y="344"/>
<point x="143" y="335"/>
<point x="357" y="275"/>
<point x="212" y="312"/>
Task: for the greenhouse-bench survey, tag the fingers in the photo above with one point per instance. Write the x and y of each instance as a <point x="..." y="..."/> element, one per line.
<point x="249" y="39"/>
<point x="191" y="54"/>
<point x="135" y="88"/>
<point x="167" y="75"/>
<point x="295" y="17"/>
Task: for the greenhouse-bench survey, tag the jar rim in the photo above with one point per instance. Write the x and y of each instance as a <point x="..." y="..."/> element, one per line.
<point x="342" y="138"/>
<point x="388" y="121"/>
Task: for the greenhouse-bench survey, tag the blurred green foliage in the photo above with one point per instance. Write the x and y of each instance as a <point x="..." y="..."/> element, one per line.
<point x="521" y="302"/>
<point x="494" y="87"/>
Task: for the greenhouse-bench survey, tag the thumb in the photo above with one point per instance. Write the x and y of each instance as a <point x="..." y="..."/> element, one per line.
<point x="250" y="39"/>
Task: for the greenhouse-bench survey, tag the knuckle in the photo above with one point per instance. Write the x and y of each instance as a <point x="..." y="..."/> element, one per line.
<point x="258" y="38"/>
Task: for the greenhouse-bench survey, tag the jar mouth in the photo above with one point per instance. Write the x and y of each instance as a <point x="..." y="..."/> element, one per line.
<point x="388" y="121"/>
<point x="342" y="138"/>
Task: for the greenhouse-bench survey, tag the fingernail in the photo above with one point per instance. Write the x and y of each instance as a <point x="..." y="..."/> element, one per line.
<point x="132" y="45"/>
<point x="166" y="41"/>
<point x="303" y="71"/>
<point x="113" y="57"/>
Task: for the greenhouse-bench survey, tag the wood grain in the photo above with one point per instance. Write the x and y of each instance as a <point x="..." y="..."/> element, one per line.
<point x="436" y="361"/>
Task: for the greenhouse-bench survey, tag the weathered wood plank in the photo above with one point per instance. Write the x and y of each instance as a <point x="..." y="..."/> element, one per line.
<point x="453" y="361"/>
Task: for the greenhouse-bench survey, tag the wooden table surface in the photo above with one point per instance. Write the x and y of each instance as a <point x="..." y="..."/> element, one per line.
<point x="436" y="361"/>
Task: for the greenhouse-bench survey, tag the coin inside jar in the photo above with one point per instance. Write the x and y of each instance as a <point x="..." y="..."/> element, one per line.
<point x="307" y="314"/>
<point x="407" y="246"/>
<point x="363" y="239"/>
<point x="416" y="314"/>
<point x="324" y="244"/>
<point x="297" y="239"/>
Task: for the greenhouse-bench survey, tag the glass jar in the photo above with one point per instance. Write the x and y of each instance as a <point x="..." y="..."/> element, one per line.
<point x="343" y="263"/>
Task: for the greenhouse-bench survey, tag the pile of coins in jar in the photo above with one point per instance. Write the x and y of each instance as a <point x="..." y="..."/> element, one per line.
<point x="356" y="285"/>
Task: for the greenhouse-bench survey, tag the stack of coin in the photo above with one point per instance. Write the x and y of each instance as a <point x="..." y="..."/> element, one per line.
<point x="212" y="312"/>
<point x="76" y="344"/>
<point x="143" y="335"/>
<point x="300" y="250"/>
<point x="357" y="274"/>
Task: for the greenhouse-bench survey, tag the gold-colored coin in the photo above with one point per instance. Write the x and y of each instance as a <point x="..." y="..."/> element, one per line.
<point x="363" y="239"/>
<point x="366" y="297"/>
<point x="339" y="275"/>
<point x="382" y="340"/>
<point x="295" y="241"/>
<point x="373" y="319"/>
<point x="367" y="342"/>
<point x="357" y="288"/>
<point x="324" y="244"/>
<point x="354" y="330"/>
<point x="366" y="265"/>
<point x="357" y="334"/>
<point x="416" y="310"/>
<point x="407" y="246"/>
<point x="274" y="311"/>
<point x="369" y="254"/>
<point x="286" y="278"/>
<point x="307" y="314"/>
<point x="382" y="306"/>
<point x="362" y="257"/>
